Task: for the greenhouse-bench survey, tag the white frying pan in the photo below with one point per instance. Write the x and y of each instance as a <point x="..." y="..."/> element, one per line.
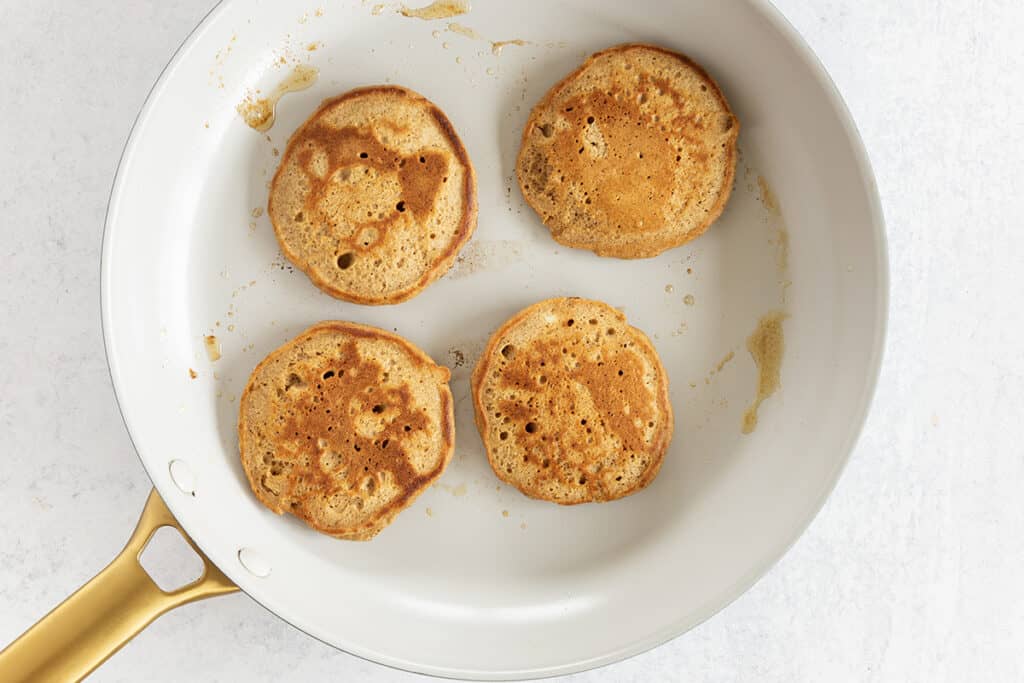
<point x="475" y="580"/>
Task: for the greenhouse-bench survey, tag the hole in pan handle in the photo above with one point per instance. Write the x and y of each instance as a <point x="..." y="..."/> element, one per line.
<point x="100" y="617"/>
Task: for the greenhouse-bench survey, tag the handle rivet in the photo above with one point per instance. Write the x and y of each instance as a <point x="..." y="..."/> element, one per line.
<point x="181" y="475"/>
<point x="254" y="562"/>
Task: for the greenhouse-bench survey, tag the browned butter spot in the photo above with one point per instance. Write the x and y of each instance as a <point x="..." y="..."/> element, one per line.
<point x="766" y="346"/>
<point x="767" y="196"/>
<point x="463" y="30"/>
<point x="440" y="9"/>
<point x="259" y="112"/>
<point x="498" y="45"/>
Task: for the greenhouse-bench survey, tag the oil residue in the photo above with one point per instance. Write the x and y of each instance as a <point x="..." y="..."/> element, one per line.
<point x="781" y="238"/>
<point x="766" y="345"/>
<point x="725" y="361"/>
<point x="463" y="30"/>
<point x="259" y="113"/>
<point x="440" y="9"/>
<point x="498" y="46"/>
<point x="216" y="72"/>
<point x="782" y="251"/>
<point x="212" y="347"/>
<point x="767" y="196"/>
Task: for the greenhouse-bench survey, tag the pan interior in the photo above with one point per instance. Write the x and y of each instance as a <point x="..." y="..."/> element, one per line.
<point x="475" y="579"/>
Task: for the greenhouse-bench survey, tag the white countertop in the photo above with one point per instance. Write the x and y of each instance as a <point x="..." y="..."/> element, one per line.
<point x="914" y="570"/>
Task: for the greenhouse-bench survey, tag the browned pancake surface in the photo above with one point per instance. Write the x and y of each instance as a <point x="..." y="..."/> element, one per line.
<point x="344" y="426"/>
<point x="572" y="403"/>
<point x="632" y="154"/>
<point x="375" y="195"/>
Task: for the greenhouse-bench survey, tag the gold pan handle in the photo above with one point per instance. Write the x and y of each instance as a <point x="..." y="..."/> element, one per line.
<point x="100" y="617"/>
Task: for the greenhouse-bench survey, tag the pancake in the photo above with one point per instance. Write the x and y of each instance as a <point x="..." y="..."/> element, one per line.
<point x="572" y="403"/>
<point x="631" y="154"/>
<point x="344" y="426"/>
<point x="375" y="196"/>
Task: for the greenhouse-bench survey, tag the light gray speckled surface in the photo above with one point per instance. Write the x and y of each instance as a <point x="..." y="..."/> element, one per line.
<point x="913" y="571"/>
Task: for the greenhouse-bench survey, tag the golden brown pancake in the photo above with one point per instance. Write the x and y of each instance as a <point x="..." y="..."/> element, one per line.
<point x="572" y="403"/>
<point x="344" y="426"/>
<point x="375" y="195"/>
<point x="631" y="154"/>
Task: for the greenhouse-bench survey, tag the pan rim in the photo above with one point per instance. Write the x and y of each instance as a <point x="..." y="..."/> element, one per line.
<point x="778" y="22"/>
